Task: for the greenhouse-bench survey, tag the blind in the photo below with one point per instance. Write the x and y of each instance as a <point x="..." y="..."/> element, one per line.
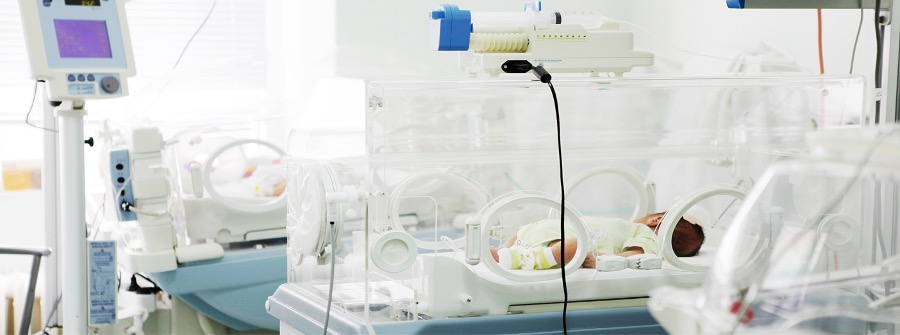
<point x="222" y="72"/>
<point x="15" y="85"/>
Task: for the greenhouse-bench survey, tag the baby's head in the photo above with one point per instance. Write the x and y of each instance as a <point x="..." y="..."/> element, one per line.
<point x="686" y="239"/>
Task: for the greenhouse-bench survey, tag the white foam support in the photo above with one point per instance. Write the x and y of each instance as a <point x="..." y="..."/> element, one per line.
<point x="611" y="263"/>
<point x="644" y="262"/>
<point x="199" y="252"/>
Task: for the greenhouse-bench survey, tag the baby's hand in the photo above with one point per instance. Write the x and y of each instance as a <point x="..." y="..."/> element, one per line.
<point x="590" y="261"/>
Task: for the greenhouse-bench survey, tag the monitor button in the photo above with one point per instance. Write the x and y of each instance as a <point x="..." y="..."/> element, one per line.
<point x="109" y="84"/>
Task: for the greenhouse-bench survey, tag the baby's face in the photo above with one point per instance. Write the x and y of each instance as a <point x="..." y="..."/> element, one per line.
<point x="652" y="221"/>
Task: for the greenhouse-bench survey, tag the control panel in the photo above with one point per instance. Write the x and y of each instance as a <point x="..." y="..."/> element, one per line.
<point x="120" y="172"/>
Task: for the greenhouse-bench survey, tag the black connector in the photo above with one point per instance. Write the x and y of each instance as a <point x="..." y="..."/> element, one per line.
<point x="134" y="287"/>
<point x="541" y="74"/>
<point x="524" y="66"/>
<point x="516" y="66"/>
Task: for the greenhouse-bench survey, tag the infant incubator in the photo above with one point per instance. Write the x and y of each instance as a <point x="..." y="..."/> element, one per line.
<point x="203" y="203"/>
<point x="398" y="237"/>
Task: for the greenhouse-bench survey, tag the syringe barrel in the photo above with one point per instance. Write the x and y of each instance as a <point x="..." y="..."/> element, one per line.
<point x="588" y="20"/>
<point x="503" y="22"/>
<point x="500" y="22"/>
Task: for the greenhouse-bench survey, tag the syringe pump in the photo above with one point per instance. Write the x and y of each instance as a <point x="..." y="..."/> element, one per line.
<point x="496" y="43"/>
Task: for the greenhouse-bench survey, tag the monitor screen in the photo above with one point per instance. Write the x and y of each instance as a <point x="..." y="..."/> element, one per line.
<point x="82" y="39"/>
<point x="82" y="2"/>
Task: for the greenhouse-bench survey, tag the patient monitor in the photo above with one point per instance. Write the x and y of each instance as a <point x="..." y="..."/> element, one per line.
<point x="81" y="50"/>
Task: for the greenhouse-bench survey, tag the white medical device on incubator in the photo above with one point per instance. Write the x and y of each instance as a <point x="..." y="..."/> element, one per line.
<point x="812" y="251"/>
<point x="514" y="42"/>
<point x="81" y="50"/>
<point x="399" y="237"/>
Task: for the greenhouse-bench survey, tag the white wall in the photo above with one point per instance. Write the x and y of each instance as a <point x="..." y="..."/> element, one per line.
<point x="388" y="38"/>
<point x="707" y="26"/>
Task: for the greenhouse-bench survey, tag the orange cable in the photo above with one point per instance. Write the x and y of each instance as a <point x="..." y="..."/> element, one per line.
<point x="821" y="69"/>
<point x="821" y="59"/>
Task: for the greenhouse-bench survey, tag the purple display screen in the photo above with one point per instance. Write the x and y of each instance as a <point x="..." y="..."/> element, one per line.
<point x="82" y="39"/>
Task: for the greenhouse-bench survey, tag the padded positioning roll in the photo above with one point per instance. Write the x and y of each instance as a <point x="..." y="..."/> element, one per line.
<point x="645" y="262"/>
<point x="611" y="263"/>
<point x="198" y="252"/>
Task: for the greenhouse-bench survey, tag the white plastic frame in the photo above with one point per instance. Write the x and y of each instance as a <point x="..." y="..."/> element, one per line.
<point x="255" y="208"/>
<point x="634" y="178"/>
<point x="836" y="242"/>
<point x="475" y="191"/>
<point x="320" y="181"/>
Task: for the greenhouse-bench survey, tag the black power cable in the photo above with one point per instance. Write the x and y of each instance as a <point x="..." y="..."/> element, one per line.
<point x="545" y="77"/>
<point x="27" y="115"/>
<point x="879" y="51"/>
<point x="331" y="278"/>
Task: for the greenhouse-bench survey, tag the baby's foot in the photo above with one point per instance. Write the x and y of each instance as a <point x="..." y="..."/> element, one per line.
<point x="515" y="257"/>
<point x="543" y="258"/>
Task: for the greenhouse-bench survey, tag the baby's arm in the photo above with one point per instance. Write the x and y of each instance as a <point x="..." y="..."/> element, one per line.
<point x="510" y="241"/>
<point x="631" y="251"/>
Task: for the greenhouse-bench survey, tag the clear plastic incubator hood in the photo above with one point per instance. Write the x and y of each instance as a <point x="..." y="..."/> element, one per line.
<point x="813" y="250"/>
<point x="391" y="221"/>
